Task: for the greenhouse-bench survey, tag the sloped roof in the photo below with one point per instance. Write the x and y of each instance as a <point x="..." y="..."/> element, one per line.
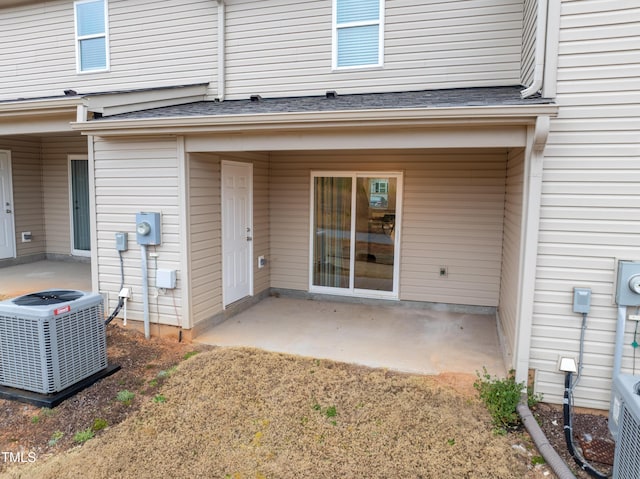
<point x="447" y="98"/>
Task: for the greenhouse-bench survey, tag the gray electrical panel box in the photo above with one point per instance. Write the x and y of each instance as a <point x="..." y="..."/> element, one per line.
<point x="148" y="228"/>
<point x="122" y="241"/>
<point x="628" y="290"/>
<point x="581" y="300"/>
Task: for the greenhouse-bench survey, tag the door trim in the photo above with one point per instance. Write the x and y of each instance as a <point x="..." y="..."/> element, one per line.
<point x="249" y="167"/>
<point x="76" y="252"/>
<point x="12" y="237"/>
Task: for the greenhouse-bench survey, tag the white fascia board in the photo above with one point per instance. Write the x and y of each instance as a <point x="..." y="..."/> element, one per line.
<point x="32" y="117"/>
<point x="125" y="102"/>
<point x="40" y="107"/>
<point x="16" y="3"/>
<point x="414" y="117"/>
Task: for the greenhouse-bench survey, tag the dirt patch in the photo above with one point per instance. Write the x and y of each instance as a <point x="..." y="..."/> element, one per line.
<point x="25" y="429"/>
<point x="591" y="434"/>
<point x="243" y="413"/>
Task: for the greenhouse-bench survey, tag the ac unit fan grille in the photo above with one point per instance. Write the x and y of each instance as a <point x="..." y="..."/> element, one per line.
<point x="627" y="460"/>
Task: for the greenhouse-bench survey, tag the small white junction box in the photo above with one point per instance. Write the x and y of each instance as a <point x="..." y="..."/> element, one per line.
<point x="166" y="278"/>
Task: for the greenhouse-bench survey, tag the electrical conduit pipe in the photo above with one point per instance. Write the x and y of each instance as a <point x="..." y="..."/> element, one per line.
<point x="542" y="443"/>
<point x="145" y="290"/>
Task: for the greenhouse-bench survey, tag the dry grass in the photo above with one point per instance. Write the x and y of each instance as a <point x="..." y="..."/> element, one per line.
<point x="244" y="413"/>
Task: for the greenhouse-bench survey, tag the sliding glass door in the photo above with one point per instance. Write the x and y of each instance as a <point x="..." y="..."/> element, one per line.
<point x="354" y="233"/>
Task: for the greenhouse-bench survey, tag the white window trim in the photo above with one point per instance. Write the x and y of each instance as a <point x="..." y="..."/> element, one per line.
<point x="351" y="291"/>
<point x="79" y="38"/>
<point x="334" y="37"/>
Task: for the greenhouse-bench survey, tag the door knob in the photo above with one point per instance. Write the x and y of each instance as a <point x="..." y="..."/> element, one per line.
<point x="8" y="210"/>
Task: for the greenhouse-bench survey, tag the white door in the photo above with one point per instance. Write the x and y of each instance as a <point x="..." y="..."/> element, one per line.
<point x="7" y="232"/>
<point x="237" y="231"/>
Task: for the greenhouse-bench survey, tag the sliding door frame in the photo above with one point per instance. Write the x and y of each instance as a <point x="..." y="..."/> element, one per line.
<point x="352" y="290"/>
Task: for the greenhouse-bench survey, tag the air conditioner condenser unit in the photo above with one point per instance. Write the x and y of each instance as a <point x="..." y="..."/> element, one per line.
<point x="51" y="340"/>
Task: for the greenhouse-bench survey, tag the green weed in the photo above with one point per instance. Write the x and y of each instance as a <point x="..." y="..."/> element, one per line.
<point x="55" y="437"/>
<point x="99" y="424"/>
<point x="83" y="436"/>
<point x="125" y="397"/>
<point x="501" y="397"/>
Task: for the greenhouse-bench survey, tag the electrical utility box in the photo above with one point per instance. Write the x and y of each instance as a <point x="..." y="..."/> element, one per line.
<point x="122" y="241"/>
<point x="628" y="290"/>
<point x="148" y="228"/>
<point x="581" y="300"/>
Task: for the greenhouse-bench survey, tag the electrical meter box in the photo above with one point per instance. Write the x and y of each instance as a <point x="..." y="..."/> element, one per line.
<point x="148" y="228"/>
<point x="628" y="290"/>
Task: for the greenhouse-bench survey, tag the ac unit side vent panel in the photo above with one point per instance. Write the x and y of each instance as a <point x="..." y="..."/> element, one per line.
<point x="48" y="347"/>
<point x="627" y="456"/>
<point x="625" y="413"/>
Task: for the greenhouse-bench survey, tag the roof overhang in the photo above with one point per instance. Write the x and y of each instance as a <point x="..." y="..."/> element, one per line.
<point x="38" y="116"/>
<point x="115" y="103"/>
<point x="17" y="3"/>
<point x="328" y="120"/>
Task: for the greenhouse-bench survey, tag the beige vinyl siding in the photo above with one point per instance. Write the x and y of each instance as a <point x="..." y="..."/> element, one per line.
<point x="26" y="171"/>
<point x="283" y="47"/>
<point x="162" y="42"/>
<point x="511" y="243"/>
<point x="453" y="209"/>
<point x="205" y="228"/>
<point x="204" y="236"/>
<point x="132" y="176"/>
<point x="529" y="27"/>
<point x="56" y="189"/>
<point x="590" y="197"/>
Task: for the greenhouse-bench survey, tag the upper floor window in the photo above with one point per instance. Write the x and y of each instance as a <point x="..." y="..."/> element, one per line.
<point x="358" y="28"/>
<point x="91" y="35"/>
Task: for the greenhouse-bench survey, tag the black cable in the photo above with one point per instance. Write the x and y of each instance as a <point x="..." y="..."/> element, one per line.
<point x="115" y="311"/>
<point x="120" y="300"/>
<point x="568" y="431"/>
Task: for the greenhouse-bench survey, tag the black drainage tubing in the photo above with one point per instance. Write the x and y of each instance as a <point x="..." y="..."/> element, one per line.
<point x="568" y="432"/>
<point x="542" y="443"/>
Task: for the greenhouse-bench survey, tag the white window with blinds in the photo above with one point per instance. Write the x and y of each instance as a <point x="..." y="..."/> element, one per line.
<point x="92" y="42"/>
<point x="358" y="32"/>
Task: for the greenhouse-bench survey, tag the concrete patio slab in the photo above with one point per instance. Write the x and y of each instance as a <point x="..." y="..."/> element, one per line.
<point x="40" y="275"/>
<point x="405" y="339"/>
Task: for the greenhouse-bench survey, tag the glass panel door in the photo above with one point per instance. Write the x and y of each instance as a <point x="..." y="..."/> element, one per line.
<point x="332" y="227"/>
<point x="80" y="206"/>
<point x="354" y="234"/>
<point x="375" y="233"/>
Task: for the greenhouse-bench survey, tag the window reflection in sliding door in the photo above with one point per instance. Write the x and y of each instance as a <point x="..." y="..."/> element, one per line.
<point x="332" y="228"/>
<point x="375" y="233"/>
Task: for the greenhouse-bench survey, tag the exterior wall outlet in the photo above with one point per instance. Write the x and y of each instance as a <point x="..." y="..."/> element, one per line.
<point x="444" y="271"/>
<point x="567" y="364"/>
<point x="26" y="236"/>
<point x="262" y="262"/>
